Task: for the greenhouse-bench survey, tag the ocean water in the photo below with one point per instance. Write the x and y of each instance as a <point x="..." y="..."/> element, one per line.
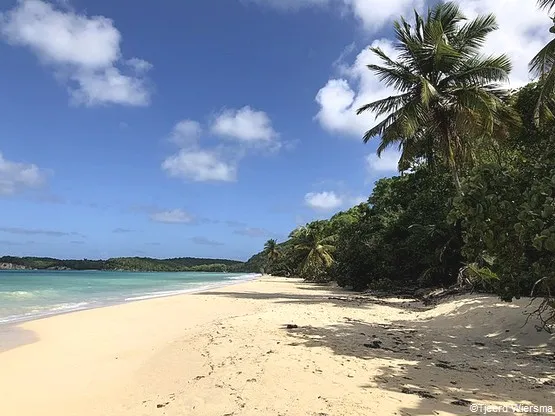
<point x="27" y="295"/>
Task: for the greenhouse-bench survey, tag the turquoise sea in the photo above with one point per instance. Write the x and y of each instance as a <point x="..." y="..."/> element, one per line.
<point x="26" y="295"/>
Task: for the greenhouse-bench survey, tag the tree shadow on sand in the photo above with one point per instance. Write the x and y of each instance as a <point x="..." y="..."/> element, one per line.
<point x="450" y="360"/>
<point x="338" y="298"/>
<point x="12" y="336"/>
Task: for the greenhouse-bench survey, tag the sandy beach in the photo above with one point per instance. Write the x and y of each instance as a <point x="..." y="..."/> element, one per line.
<point x="229" y="352"/>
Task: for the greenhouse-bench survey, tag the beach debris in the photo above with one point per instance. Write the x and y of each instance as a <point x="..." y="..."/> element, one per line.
<point x="421" y="393"/>
<point x="160" y="405"/>
<point x="292" y="326"/>
<point x="461" y="402"/>
<point x="374" y="344"/>
<point x="438" y="295"/>
<point x="251" y="380"/>
<point x="446" y="365"/>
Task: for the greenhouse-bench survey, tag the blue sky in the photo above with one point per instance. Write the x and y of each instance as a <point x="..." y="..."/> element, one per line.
<point x="198" y="128"/>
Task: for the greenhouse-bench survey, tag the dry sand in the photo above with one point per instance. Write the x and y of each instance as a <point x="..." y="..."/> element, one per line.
<point x="228" y="352"/>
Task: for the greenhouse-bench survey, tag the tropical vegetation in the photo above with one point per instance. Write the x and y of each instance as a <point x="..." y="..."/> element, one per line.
<point x="449" y="95"/>
<point x="475" y="202"/>
<point x="127" y="264"/>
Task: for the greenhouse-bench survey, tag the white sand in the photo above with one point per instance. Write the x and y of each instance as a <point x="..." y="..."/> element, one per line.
<point x="226" y="352"/>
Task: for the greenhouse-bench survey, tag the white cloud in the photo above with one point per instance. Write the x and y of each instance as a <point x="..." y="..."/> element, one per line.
<point x="199" y="166"/>
<point x="324" y="201"/>
<point x="340" y="98"/>
<point x="174" y="216"/>
<point x="388" y="162"/>
<point x="186" y="133"/>
<point x="15" y="176"/>
<point x="523" y="31"/>
<point x="139" y="65"/>
<point x="35" y="231"/>
<point x="245" y="125"/>
<point x="85" y="51"/>
<point x="290" y="4"/>
<point x="108" y="86"/>
<point x="206" y="241"/>
<point x="373" y="14"/>
<point x="198" y="163"/>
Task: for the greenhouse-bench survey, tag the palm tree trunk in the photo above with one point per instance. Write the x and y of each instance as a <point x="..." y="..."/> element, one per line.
<point x="451" y="142"/>
<point x="457" y="181"/>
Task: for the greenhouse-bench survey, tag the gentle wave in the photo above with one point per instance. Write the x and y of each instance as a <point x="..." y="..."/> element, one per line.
<point x="245" y="277"/>
<point x="53" y="310"/>
<point x="24" y="294"/>
<point x="161" y="294"/>
<point x="17" y="294"/>
<point x="166" y="293"/>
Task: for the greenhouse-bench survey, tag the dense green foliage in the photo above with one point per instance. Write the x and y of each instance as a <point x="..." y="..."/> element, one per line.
<point x="508" y="209"/>
<point x="478" y="204"/>
<point x="403" y="237"/>
<point x="129" y="264"/>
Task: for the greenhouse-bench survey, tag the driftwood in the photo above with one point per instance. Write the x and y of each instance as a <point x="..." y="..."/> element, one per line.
<point x="439" y="295"/>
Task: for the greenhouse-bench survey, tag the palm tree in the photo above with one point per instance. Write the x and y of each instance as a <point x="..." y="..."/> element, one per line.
<point x="271" y="250"/>
<point x="542" y="66"/>
<point x="448" y="94"/>
<point x="316" y="249"/>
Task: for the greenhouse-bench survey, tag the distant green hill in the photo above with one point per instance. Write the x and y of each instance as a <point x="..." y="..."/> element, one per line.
<point x="181" y="264"/>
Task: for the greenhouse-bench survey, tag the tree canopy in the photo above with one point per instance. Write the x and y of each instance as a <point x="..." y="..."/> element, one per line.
<point x="449" y="94"/>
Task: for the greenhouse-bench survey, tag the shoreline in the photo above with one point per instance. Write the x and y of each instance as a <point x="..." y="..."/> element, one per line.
<point x="18" y="319"/>
<point x="229" y="351"/>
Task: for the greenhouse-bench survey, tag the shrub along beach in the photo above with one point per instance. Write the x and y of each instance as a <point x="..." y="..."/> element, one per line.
<point x="434" y="295"/>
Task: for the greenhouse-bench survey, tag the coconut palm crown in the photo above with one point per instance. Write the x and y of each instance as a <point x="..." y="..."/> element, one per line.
<point x="448" y="93"/>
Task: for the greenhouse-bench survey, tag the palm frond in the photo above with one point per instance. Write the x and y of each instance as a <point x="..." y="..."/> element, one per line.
<point x="543" y="62"/>
<point x="543" y="110"/>
<point x="393" y="77"/>
<point x="472" y="35"/>
<point x="428" y="92"/>
<point x="386" y="105"/>
<point x="480" y="71"/>
<point x="449" y="15"/>
<point x="390" y="62"/>
<point x="383" y="126"/>
<point x="546" y="4"/>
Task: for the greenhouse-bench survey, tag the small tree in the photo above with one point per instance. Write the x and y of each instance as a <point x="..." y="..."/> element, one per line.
<point x="316" y="249"/>
<point x="271" y="250"/>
